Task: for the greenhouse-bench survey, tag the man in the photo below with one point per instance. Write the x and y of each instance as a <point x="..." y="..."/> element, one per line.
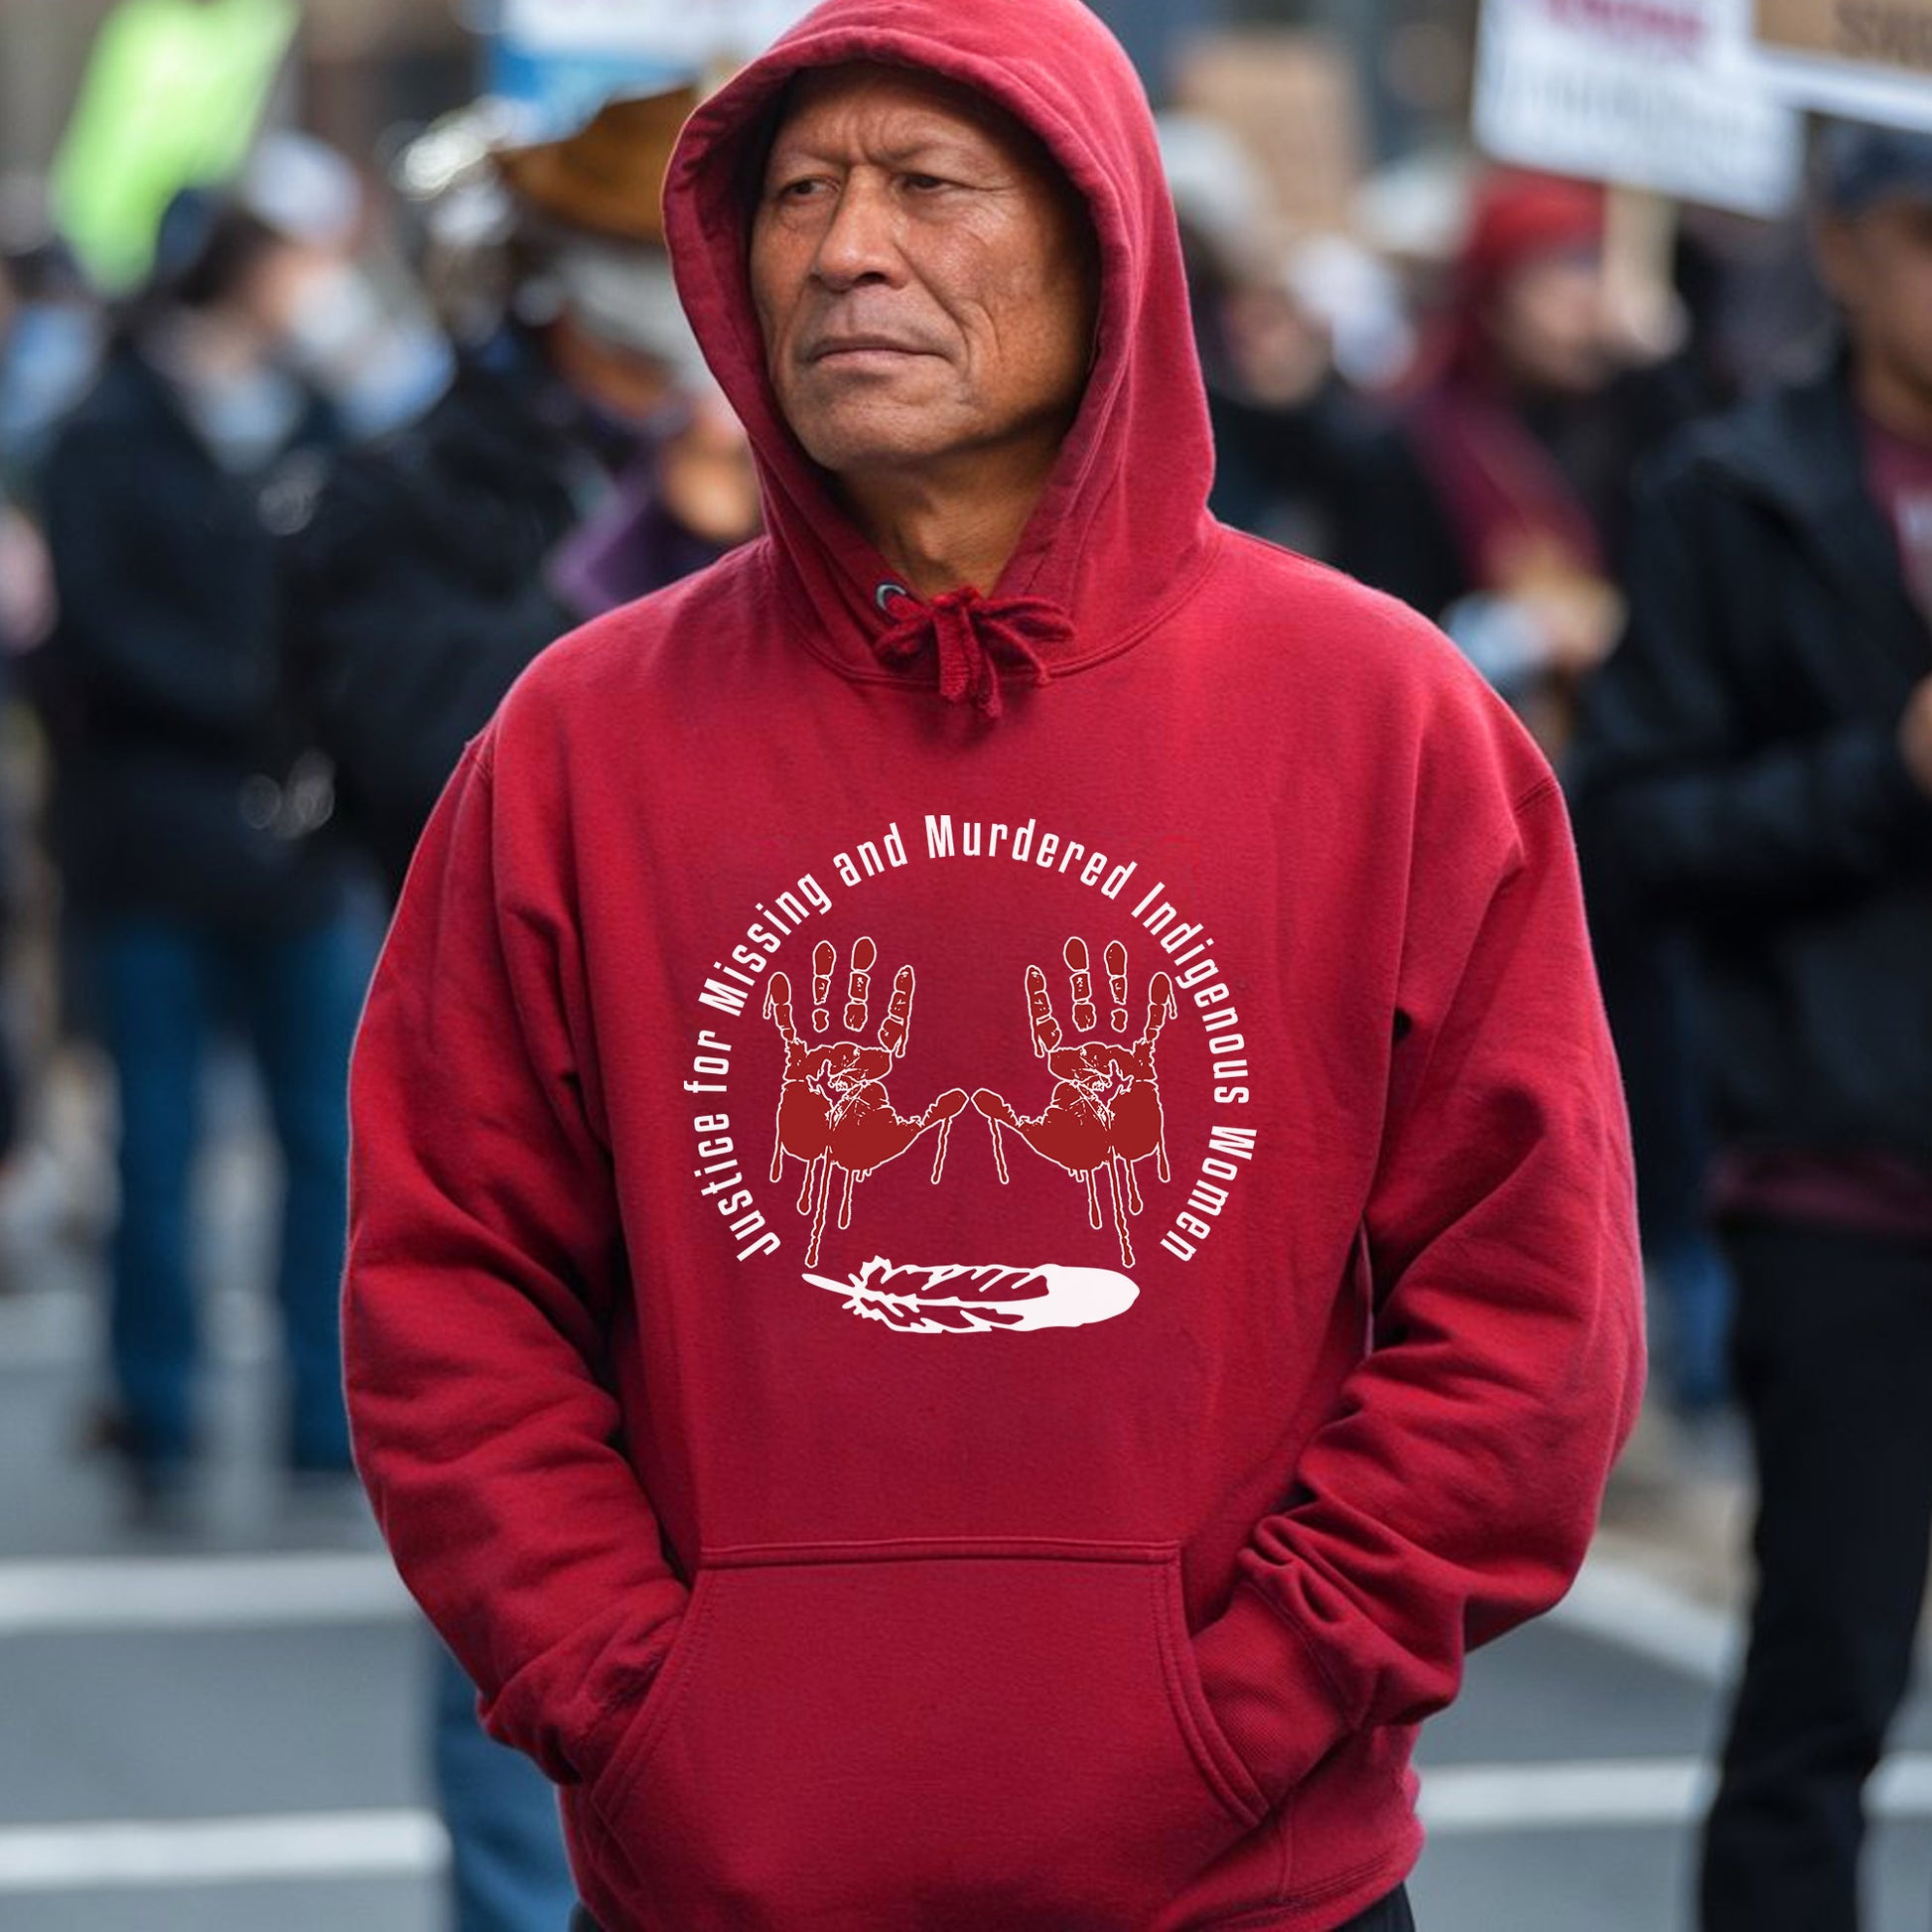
<point x="1758" y="763"/>
<point x="1053" y="1548"/>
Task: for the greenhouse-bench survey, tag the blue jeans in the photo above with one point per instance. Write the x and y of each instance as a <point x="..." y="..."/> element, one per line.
<point x="507" y="1868"/>
<point x="1696" y="1283"/>
<point x="163" y="985"/>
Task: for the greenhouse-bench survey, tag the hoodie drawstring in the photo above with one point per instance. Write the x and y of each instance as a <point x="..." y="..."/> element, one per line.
<point x="968" y="632"/>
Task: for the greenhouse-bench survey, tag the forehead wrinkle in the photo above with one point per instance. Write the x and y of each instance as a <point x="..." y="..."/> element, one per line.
<point x="935" y="150"/>
<point x="973" y="123"/>
<point x="895" y="146"/>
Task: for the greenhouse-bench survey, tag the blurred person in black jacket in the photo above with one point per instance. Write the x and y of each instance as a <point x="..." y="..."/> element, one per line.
<point x="1756" y="761"/>
<point x="190" y="814"/>
<point x="580" y="459"/>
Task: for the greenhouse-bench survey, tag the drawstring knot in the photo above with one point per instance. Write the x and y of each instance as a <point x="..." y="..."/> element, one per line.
<point x="969" y="634"/>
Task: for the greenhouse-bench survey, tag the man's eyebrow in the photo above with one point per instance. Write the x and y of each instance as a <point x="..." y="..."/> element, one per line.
<point x="944" y="149"/>
<point x="935" y="150"/>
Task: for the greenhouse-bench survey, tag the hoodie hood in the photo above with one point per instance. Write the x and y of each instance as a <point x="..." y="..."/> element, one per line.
<point x="1120" y="533"/>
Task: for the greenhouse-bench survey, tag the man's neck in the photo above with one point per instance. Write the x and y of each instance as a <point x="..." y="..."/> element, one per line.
<point x="1892" y="401"/>
<point x="948" y="532"/>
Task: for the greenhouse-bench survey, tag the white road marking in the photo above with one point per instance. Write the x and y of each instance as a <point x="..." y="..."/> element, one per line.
<point x="1622" y="1605"/>
<point x="141" y="1853"/>
<point x="1466" y="1799"/>
<point x="1457" y="1801"/>
<point x="1463" y="1800"/>
<point x="299" y="1589"/>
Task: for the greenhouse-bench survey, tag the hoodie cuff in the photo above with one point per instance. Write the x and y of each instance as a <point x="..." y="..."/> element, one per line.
<point x="602" y="1737"/>
<point x="1272" y="1699"/>
<point x="596" y="1740"/>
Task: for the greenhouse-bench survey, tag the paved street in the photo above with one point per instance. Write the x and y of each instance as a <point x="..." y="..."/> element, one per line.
<point x="234" y="1735"/>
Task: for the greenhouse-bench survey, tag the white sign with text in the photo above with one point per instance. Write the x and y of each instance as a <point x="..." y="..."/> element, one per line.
<point x="676" y="32"/>
<point x="1660" y="94"/>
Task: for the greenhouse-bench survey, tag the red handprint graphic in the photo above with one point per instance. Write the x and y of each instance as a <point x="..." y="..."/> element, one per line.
<point x="1105" y="1107"/>
<point x="833" y="1110"/>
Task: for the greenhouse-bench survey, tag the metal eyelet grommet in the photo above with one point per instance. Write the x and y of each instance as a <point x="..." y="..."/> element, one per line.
<point x="885" y="594"/>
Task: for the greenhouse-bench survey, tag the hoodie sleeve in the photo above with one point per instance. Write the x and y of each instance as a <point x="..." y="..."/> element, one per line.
<point x="1454" y="1490"/>
<point x="485" y="1257"/>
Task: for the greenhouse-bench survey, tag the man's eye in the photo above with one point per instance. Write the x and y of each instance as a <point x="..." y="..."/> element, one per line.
<point x="799" y="189"/>
<point x="924" y="184"/>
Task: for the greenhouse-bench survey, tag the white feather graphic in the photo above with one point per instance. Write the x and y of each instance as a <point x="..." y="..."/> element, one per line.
<point x="961" y="1300"/>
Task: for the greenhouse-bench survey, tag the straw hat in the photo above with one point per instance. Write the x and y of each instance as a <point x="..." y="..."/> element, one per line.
<point x="608" y="177"/>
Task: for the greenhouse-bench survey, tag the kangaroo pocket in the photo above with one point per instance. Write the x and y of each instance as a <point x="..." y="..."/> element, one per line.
<point x="942" y="1735"/>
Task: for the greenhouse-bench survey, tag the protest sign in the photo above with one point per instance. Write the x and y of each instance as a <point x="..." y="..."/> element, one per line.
<point x="1659" y="95"/>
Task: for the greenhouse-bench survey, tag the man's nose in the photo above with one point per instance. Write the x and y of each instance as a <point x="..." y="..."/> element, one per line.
<point x="860" y="243"/>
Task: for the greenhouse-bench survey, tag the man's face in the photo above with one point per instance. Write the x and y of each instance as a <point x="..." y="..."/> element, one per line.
<point x="923" y="277"/>
<point x="1880" y="267"/>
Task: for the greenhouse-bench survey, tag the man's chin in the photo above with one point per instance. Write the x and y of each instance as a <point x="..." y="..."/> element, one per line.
<point x="871" y="443"/>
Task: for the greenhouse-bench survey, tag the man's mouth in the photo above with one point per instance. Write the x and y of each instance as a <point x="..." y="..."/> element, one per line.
<point x="837" y="347"/>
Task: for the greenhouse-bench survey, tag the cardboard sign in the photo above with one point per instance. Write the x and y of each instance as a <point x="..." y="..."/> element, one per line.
<point x="1875" y="33"/>
<point x="1871" y="59"/>
<point x="1660" y="94"/>
<point x="1294" y="101"/>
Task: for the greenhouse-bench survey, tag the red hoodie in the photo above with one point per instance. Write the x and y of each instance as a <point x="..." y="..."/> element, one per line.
<point x="962" y="1320"/>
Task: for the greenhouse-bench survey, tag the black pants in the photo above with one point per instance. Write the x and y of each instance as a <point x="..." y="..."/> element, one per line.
<point x="1834" y="1363"/>
<point x="1392" y="1915"/>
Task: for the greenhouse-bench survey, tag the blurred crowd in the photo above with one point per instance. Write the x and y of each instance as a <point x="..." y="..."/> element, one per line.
<point x="286" y="509"/>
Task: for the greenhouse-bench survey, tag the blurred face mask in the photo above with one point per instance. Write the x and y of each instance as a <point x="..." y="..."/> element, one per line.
<point x="626" y="298"/>
<point x="377" y="367"/>
<point x="335" y="314"/>
<point x="245" y="418"/>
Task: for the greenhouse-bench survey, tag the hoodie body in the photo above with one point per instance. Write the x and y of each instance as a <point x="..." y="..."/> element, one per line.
<point x="961" y="1321"/>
